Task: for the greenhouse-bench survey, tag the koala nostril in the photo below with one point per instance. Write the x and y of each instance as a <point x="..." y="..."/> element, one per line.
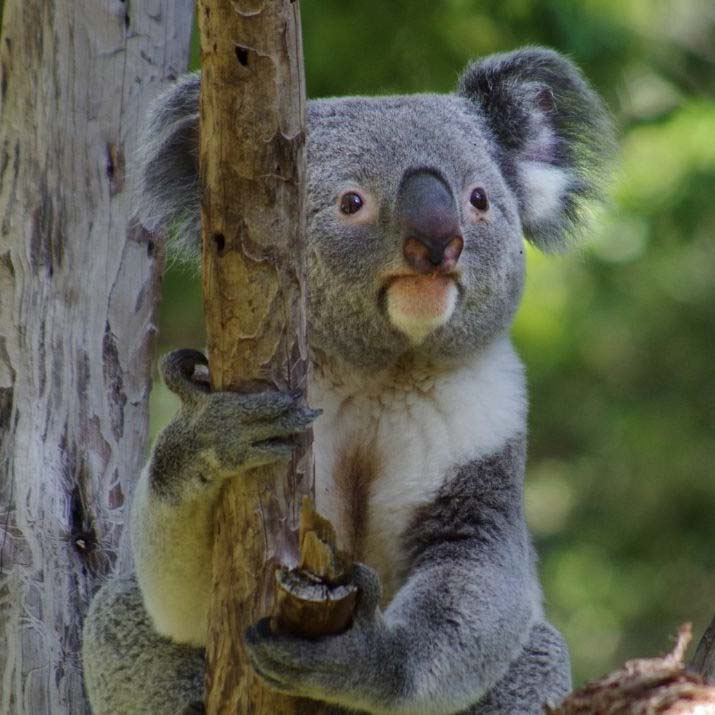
<point x="415" y="252"/>
<point x="429" y="254"/>
<point x="453" y="250"/>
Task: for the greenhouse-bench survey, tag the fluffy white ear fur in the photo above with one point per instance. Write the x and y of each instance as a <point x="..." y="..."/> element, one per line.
<point x="545" y="187"/>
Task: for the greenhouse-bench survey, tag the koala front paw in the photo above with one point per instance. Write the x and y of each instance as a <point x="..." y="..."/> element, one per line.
<point x="356" y="668"/>
<point x="218" y="434"/>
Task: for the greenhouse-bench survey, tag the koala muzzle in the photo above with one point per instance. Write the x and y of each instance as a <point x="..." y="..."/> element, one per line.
<point x="430" y="223"/>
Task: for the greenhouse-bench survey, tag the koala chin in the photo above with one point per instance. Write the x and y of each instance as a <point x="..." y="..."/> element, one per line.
<point x="418" y="209"/>
<point x="418" y="305"/>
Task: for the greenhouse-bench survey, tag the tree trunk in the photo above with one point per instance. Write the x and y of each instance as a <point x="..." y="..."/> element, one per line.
<point x="252" y="167"/>
<point x="78" y="288"/>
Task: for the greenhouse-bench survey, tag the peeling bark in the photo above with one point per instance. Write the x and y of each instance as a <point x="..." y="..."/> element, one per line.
<point x="78" y="290"/>
<point x="645" y="686"/>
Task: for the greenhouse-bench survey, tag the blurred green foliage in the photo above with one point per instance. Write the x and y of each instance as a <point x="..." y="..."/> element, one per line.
<point x="618" y="338"/>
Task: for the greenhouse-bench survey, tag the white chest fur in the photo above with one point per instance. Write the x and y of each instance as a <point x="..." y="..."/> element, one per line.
<point x="386" y="442"/>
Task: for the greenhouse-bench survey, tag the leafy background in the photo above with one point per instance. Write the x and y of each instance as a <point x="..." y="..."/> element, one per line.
<point x="618" y="337"/>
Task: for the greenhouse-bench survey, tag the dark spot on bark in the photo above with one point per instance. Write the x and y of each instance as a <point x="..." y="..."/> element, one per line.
<point x="220" y="242"/>
<point x="3" y="81"/>
<point x="6" y="394"/>
<point x="47" y="233"/>
<point x="82" y="534"/>
<point x="7" y="264"/>
<point x="57" y="358"/>
<point x="76" y="477"/>
<point x="242" y="55"/>
<point x="83" y="377"/>
<point x="150" y="248"/>
<point x="5" y="228"/>
<point x="41" y="355"/>
<point x="286" y="150"/>
<point x="141" y="296"/>
<point x="16" y="161"/>
<point x="116" y="496"/>
<point x="113" y="382"/>
<point x="4" y="162"/>
<point x="115" y="168"/>
<point x="41" y="228"/>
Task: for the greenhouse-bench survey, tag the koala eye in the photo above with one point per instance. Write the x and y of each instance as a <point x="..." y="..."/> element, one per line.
<point x="478" y="199"/>
<point x="350" y="203"/>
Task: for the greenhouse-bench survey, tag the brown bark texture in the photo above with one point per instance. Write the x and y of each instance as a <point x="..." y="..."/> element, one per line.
<point x="78" y="289"/>
<point x="646" y="686"/>
<point x="252" y="138"/>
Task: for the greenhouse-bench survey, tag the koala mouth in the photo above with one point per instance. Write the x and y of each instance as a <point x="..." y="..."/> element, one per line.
<point x="419" y="304"/>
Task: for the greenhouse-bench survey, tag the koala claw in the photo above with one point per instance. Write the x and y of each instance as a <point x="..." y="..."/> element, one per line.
<point x="178" y="370"/>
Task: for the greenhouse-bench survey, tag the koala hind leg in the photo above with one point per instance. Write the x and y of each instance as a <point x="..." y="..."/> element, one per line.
<point x="129" y="668"/>
<point x="541" y="675"/>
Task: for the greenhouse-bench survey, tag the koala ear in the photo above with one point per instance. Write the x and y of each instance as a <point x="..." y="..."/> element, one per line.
<point x="553" y="133"/>
<point x="165" y="171"/>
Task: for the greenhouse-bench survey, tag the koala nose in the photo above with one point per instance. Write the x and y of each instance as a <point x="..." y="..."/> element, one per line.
<point x="430" y="223"/>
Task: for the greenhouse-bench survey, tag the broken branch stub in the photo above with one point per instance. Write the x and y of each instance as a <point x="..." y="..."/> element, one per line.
<point x="316" y="598"/>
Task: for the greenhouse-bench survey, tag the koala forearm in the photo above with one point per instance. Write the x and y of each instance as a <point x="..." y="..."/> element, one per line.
<point x="214" y="437"/>
<point x="472" y="595"/>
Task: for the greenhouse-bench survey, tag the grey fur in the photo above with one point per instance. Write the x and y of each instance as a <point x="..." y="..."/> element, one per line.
<point x="167" y="191"/>
<point x="465" y="630"/>
<point x="129" y="668"/>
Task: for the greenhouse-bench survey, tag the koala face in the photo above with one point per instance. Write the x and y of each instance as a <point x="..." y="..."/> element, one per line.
<point x="414" y="237"/>
<point x="419" y="205"/>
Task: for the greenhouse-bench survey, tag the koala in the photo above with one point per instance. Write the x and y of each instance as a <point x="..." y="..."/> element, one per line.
<point x="418" y="211"/>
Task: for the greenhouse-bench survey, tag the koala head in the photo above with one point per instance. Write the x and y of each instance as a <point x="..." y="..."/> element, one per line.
<point x="418" y="206"/>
